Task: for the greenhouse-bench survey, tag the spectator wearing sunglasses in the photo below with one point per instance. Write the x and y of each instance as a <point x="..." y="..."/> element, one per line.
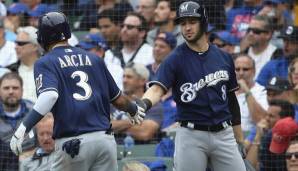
<point x="251" y="96"/>
<point x="292" y="155"/>
<point x="133" y="34"/>
<point x="28" y="51"/>
<point x="279" y="67"/>
<point x="258" y="36"/>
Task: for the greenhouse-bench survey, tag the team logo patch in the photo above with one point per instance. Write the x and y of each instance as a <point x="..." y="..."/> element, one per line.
<point x="38" y="82"/>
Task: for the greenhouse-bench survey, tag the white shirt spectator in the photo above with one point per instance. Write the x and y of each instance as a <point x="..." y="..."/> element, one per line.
<point x="8" y="54"/>
<point x="259" y="93"/>
<point x="262" y="58"/>
<point x="27" y="75"/>
<point x="3" y="10"/>
<point x="144" y="55"/>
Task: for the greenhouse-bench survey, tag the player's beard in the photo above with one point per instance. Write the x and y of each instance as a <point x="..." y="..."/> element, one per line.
<point x="196" y="38"/>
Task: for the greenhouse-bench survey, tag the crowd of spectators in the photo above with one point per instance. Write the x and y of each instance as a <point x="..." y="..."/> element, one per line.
<point x="134" y="37"/>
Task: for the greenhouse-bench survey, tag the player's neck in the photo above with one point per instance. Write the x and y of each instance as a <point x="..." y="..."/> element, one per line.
<point x="200" y="45"/>
<point x="62" y="43"/>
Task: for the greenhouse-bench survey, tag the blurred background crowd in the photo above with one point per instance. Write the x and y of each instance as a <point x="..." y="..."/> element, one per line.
<point x="134" y="37"/>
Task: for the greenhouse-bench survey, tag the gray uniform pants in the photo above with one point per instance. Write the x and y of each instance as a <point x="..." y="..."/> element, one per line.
<point x="98" y="152"/>
<point x="194" y="149"/>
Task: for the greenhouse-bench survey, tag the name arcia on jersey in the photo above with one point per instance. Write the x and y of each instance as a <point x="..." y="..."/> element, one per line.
<point x="74" y="60"/>
<point x="189" y="90"/>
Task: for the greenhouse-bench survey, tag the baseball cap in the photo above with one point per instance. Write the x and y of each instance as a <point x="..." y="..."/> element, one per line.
<point x="38" y="10"/>
<point x="168" y="37"/>
<point x="18" y="8"/>
<point x="139" y="69"/>
<point x="290" y="33"/>
<point x="282" y="133"/>
<point x="278" y="84"/>
<point x="227" y="37"/>
<point x="93" y="40"/>
<point x="31" y="31"/>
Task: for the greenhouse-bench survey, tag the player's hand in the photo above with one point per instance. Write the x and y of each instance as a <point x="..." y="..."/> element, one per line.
<point x="139" y="116"/>
<point x="17" y="139"/>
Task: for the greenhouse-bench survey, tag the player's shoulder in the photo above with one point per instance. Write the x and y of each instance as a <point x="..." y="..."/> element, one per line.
<point x="219" y="53"/>
<point x="176" y="53"/>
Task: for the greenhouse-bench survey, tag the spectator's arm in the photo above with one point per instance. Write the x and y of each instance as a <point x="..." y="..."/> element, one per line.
<point x="145" y="131"/>
<point x="255" y="109"/>
<point x="119" y="126"/>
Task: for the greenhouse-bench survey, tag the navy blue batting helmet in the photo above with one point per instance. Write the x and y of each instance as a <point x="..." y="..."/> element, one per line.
<point x="192" y="9"/>
<point x="52" y="27"/>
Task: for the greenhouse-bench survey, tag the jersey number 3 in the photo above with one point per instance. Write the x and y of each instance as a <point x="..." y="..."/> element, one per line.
<point x="83" y="84"/>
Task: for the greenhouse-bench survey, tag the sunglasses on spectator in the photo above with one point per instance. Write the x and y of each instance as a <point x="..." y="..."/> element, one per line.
<point x="22" y="43"/>
<point x="243" y="69"/>
<point x="290" y="155"/>
<point x="130" y="27"/>
<point x="256" y="30"/>
<point x="292" y="69"/>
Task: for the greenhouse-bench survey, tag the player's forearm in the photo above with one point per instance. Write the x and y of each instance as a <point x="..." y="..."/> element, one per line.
<point x="123" y="103"/>
<point x="154" y="94"/>
<point x="238" y="134"/>
<point x="145" y="131"/>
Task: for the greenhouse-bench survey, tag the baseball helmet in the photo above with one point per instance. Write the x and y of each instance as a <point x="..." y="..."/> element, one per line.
<point x="52" y="27"/>
<point x="192" y="9"/>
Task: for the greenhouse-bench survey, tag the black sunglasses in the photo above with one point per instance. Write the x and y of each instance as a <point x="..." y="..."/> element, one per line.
<point x="130" y="27"/>
<point x="21" y="43"/>
<point x="290" y="155"/>
<point x="243" y="69"/>
<point x="256" y="30"/>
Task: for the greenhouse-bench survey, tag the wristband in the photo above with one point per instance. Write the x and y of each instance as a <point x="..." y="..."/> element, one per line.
<point x="148" y="103"/>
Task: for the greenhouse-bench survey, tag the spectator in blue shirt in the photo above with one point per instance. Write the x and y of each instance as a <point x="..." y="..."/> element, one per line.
<point x="279" y="67"/>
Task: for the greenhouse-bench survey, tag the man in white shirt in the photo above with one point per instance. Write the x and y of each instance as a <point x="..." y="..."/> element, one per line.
<point x="133" y="34"/>
<point x="251" y="96"/>
<point x="259" y="35"/>
<point x="28" y="51"/>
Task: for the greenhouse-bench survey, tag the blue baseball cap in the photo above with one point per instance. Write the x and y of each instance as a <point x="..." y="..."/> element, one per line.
<point x="93" y="40"/>
<point x="38" y="10"/>
<point x="167" y="37"/>
<point x="227" y="37"/>
<point x="18" y="8"/>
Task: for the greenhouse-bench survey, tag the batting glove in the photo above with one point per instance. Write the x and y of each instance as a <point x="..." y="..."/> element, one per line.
<point x="17" y="139"/>
<point x="139" y="116"/>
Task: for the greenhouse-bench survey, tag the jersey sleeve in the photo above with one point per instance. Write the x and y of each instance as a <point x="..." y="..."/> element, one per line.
<point x="232" y="84"/>
<point x="114" y="91"/>
<point x="45" y="78"/>
<point x="165" y="76"/>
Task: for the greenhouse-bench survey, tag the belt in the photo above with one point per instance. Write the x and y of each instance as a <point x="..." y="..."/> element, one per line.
<point x="212" y="128"/>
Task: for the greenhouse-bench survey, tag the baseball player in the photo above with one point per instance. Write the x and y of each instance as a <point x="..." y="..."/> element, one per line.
<point x="77" y="88"/>
<point x="203" y="81"/>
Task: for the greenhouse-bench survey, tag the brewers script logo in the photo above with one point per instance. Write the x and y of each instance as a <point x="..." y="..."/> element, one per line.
<point x="189" y="90"/>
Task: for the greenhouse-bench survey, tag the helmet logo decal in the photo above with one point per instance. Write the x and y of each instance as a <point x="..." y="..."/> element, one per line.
<point x="183" y="7"/>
